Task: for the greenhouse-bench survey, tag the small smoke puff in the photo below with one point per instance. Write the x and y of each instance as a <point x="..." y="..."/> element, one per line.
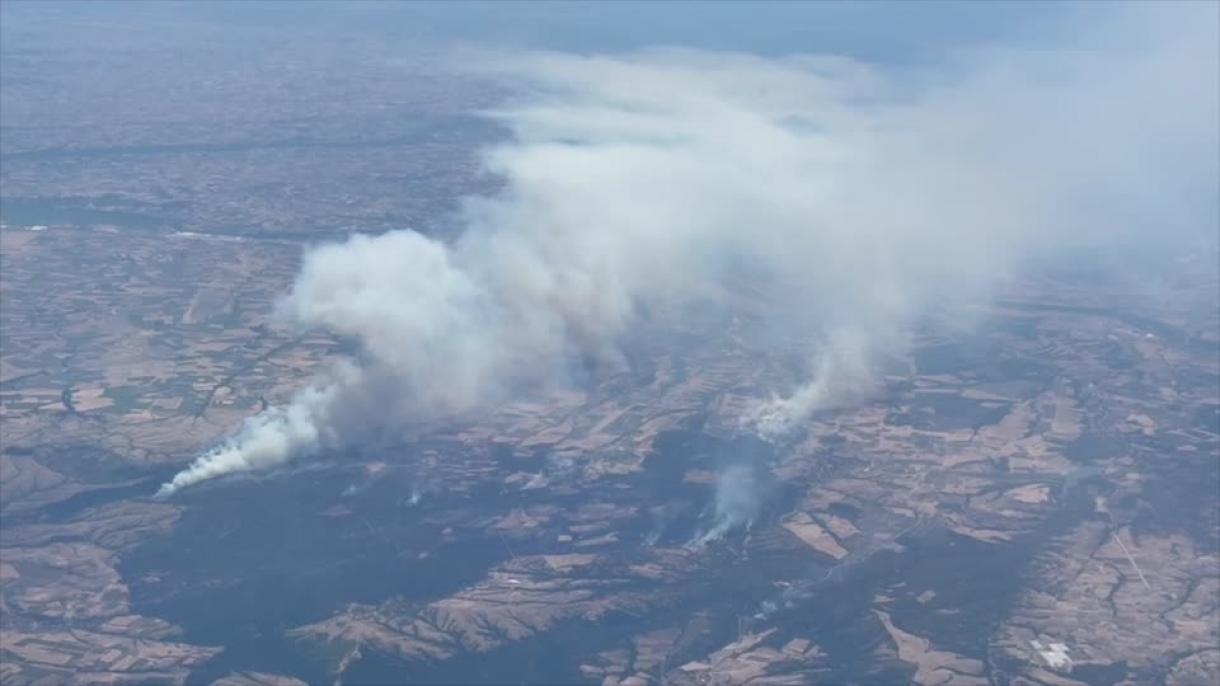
<point x="738" y="500"/>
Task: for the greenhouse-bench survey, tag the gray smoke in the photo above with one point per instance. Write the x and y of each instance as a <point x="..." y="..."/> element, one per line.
<point x="861" y="195"/>
<point x="737" y="501"/>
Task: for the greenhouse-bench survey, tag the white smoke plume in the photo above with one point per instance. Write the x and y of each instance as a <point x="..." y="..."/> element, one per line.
<point x="737" y="502"/>
<point x="856" y="195"/>
<point x="276" y="435"/>
<point x="842" y="376"/>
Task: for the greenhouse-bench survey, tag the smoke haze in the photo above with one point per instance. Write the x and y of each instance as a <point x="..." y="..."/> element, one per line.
<point x="736" y="503"/>
<point x="857" y="195"/>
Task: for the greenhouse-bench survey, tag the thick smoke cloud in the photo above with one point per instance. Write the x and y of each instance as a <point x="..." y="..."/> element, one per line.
<point x="854" y="196"/>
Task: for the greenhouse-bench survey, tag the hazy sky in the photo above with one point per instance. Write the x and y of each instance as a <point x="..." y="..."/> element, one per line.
<point x="890" y="30"/>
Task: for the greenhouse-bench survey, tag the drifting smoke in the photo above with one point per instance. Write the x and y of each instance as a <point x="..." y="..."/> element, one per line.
<point x="857" y="196"/>
<point x="737" y="501"/>
<point x="843" y="376"/>
<point x="274" y="436"/>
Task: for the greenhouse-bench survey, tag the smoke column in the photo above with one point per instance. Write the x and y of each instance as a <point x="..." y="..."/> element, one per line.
<point x="862" y="195"/>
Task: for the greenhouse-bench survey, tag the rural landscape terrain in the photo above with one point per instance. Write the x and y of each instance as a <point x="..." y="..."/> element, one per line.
<point x="1028" y="495"/>
<point x="1070" y="450"/>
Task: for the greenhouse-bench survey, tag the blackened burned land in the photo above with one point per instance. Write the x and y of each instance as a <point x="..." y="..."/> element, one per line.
<point x="1033" y="500"/>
